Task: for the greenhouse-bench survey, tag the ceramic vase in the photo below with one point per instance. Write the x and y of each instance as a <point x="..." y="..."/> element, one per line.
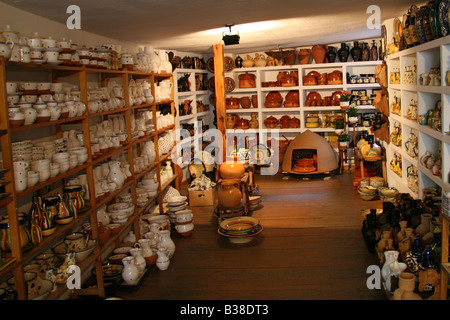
<point x="331" y="54"/>
<point x="130" y="272"/>
<point x="115" y="173"/>
<point x="163" y="261"/>
<point x="406" y="286"/>
<point x="343" y="53"/>
<point x="395" y="269"/>
<point x="304" y="55"/>
<point x="139" y="260"/>
<point x="164" y="241"/>
<point x="229" y="194"/>
<point x="390" y="256"/>
<point x="319" y="53"/>
<point x="356" y="52"/>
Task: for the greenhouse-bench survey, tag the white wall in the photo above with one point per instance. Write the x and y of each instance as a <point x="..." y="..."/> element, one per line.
<point x="27" y="24"/>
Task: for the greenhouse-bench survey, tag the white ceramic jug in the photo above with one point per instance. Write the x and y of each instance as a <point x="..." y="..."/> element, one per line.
<point x="130" y="272"/>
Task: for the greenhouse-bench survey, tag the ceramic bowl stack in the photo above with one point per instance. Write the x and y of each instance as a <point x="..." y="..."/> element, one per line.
<point x="49" y="148"/>
<point x="64" y="160"/>
<point x="240" y="229"/>
<point x="175" y="204"/>
<point x="22" y="151"/>
<point x="388" y="194"/>
<point x="367" y="193"/>
<point x="120" y="212"/>
<point x="376" y="182"/>
<point x="80" y="153"/>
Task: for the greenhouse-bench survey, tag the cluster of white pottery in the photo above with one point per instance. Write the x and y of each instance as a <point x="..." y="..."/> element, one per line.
<point x="105" y="98"/>
<point x="37" y="49"/>
<point x="140" y="92"/>
<point x="110" y="176"/>
<point x="35" y="162"/>
<point x="108" y="135"/>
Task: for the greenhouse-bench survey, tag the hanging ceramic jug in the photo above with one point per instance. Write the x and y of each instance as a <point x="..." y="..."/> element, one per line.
<point x="163" y="261"/>
<point x="164" y="241"/>
<point x="139" y="260"/>
<point x="130" y="272"/>
<point x="229" y="194"/>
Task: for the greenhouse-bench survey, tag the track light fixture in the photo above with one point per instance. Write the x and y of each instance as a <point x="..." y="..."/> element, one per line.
<point x="229" y="38"/>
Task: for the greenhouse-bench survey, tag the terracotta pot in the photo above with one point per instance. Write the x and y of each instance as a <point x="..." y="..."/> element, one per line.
<point x="247" y="80"/>
<point x="245" y="102"/>
<point x="304" y="56"/>
<point x="255" y="101"/>
<point x="294" y="122"/>
<point x="232" y="170"/>
<point x="319" y="53"/>
<point x="290" y="59"/>
<point x="309" y="80"/>
<point x="274" y="95"/>
<point x="292" y="96"/>
<point x="284" y="121"/>
<point x="273" y="103"/>
<point x="229" y="195"/>
<point x="271" y="122"/>
<point x="288" y="81"/>
<point x="242" y="123"/>
<point x="232" y="103"/>
<point x="281" y="75"/>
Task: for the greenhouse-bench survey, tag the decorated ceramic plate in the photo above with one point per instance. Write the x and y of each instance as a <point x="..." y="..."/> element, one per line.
<point x="229" y="84"/>
<point x="397" y="29"/>
<point x="434" y="20"/>
<point x="210" y="65"/>
<point x="242" y="238"/>
<point x="228" y="64"/>
<point x="420" y="30"/>
<point x="259" y="154"/>
<point x="443" y="17"/>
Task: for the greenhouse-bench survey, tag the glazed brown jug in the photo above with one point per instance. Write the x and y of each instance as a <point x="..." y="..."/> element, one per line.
<point x="229" y="195"/>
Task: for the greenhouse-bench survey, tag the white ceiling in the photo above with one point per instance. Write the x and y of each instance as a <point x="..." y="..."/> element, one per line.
<point x="183" y="25"/>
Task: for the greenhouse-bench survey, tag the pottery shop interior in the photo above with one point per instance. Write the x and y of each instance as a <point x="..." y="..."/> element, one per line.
<point x="224" y="151"/>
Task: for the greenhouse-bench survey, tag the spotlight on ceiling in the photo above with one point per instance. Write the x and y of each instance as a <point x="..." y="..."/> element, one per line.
<point x="230" y="38"/>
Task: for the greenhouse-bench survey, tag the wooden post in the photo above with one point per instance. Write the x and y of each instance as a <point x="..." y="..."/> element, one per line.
<point x="220" y="95"/>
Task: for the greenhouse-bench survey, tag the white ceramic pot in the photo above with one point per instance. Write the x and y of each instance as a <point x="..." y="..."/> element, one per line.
<point x="130" y="272"/>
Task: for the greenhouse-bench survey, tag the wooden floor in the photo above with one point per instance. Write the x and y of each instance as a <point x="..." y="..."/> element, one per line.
<point x="311" y="248"/>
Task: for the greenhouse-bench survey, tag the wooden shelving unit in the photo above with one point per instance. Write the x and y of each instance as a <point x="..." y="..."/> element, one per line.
<point x="17" y="259"/>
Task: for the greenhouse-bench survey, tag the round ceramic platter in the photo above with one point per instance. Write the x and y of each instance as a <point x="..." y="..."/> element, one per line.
<point x="229" y="84"/>
<point x="260" y="154"/>
<point x="228" y="64"/>
<point x="210" y="65"/>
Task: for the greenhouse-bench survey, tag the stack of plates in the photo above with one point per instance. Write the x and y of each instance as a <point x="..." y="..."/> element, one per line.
<point x="175" y="204"/>
<point x="240" y="229"/>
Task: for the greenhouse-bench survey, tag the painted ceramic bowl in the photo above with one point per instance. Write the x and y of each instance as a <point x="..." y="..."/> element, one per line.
<point x="388" y="191"/>
<point x="60" y="251"/>
<point x="239" y="225"/>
